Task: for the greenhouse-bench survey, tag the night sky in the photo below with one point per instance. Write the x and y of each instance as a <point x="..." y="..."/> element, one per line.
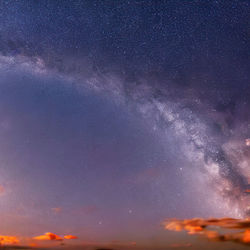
<point x="116" y="116"/>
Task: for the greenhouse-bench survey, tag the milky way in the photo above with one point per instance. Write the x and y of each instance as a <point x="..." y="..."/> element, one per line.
<point x="180" y="67"/>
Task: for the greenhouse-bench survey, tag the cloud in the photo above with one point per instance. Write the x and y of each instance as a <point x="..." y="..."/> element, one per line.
<point x="8" y="240"/>
<point x="48" y="236"/>
<point x="14" y="241"/>
<point x="246" y="236"/>
<point x="203" y="227"/>
<point x="53" y="237"/>
<point x="70" y="237"/>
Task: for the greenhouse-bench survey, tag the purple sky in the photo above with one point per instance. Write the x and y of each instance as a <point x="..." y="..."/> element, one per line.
<point x="117" y="115"/>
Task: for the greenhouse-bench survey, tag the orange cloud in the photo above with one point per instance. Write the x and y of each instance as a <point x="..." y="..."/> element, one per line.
<point x="48" y="236"/>
<point x="8" y="240"/>
<point x="246" y="236"/>
<point x="200" y="226"/>
<point x="70" y="237"/>
<point x="14" y="240"/>
<point x="191" y="226"/>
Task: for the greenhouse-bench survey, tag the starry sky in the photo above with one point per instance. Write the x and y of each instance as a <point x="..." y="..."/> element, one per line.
<point x="117" y="115"/>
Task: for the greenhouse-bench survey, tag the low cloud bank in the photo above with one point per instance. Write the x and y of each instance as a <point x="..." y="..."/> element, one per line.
<point x="210" y="228"/>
